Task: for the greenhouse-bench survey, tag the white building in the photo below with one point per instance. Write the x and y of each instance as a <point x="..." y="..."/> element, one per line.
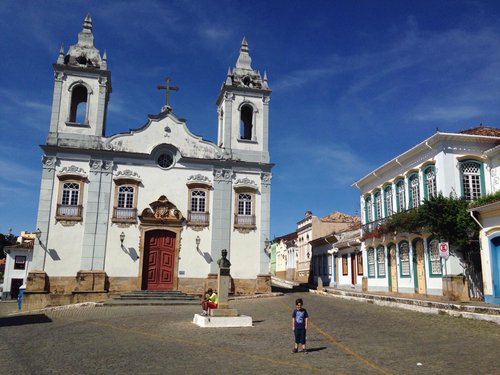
<point x="18" y="259"/>
<point x="337" y="260"/>
<point x="150" y="208"/>
<point x="286" y="255"/>
<point x="309" y="229"/>
<point x="445" y="162"/>
<point x="488" y="218"/>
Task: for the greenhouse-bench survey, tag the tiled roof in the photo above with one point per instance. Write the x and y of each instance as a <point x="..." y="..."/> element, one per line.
<point x="24" y="245"/>
<point x="483" y="130"/>
<point x="339" y="217"/>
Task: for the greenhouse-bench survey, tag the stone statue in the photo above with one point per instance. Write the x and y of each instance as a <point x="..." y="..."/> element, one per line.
<point x="224" y="262"/>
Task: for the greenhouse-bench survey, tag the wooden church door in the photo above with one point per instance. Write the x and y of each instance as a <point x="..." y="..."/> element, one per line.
<point x="158" y="265"/>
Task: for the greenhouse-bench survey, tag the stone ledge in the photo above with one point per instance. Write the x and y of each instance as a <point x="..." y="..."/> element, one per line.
<point x="219" y="321"/>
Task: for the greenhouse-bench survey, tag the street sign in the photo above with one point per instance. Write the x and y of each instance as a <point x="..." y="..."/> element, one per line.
<point x="444" y="250"/>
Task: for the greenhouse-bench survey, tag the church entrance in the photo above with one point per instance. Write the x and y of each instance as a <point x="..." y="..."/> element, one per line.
<point x="158" y="263"/>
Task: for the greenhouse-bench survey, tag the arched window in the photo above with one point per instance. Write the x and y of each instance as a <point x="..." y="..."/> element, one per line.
<point x="471" y="179"/>
<point x="368" y="210"/>
<point x="388" y="201"/>
<point x="381" y="261"/>
<point x="404" y="259"/>
<point x="246" y="126"/>
<point x="435" y="269"/>
<point x="78" y="110"/>
<point x="430" y="189"/>
<point x="414" y="183"/>
<point x="400" y="195"/>
<point x="370" y="254"/>
<point x="69" y="206"/>
<point x="378" y="205"/>
<point x="126" y="196"/>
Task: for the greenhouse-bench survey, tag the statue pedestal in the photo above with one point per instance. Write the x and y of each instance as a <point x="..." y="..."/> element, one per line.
<point x="222" y="321"/>
<point x="223" y="316"/>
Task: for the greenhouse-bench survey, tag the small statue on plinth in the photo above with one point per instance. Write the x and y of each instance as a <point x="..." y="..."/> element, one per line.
<point x="224" y="262"/>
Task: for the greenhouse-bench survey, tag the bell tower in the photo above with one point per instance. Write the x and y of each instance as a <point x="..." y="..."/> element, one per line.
<point x="243" y="110"/>
<point x="81" y="92"/>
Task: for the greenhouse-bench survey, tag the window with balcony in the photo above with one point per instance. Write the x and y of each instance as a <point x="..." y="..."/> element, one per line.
<point x="245" y="216"/>
<point x="198" y="207"/>
<point x="472" y="179"/>
<point x="414" y="183"/>
<point x="126" y="194"/>
<point x="430" y="189"/>
<point x="388" y="201"/>
<point x="69" y="205"/>
<point x="125" y="209"/>
<point x="368" y="210"/>
<point x="400" y="195"/>
<point x="378" y="205"/>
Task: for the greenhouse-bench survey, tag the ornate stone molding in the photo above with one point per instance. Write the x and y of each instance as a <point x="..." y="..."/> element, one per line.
<point x="223" y="175"/>
<point x="245" y="183"/>
<point x="198" y="179"/>
<point x="72" y="170"/>
<point x="162" y="212"/>
<point x="266" y="178"/>
<point x="127" y="174"/>
<point x="229" y="96"/>
<point x="100" y="166"/>
<point x="49" y="162"/>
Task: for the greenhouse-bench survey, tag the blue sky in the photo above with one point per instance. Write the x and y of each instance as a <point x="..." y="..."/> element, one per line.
<point x="354" y="83"/>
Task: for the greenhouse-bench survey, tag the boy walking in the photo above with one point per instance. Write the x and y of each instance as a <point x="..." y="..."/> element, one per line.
<point x="300" y="318"/>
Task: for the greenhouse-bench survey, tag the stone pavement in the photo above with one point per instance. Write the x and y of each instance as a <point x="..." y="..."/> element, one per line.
<point x="344" y="337"/>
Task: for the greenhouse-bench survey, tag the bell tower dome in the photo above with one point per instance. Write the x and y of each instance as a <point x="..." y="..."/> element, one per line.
<point x="243" y="109"/>
<point x="81" y="91"/>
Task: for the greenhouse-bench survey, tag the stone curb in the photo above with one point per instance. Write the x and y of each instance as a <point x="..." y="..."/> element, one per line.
<point x="59" y="308"/>
<point x="427" y="307"/>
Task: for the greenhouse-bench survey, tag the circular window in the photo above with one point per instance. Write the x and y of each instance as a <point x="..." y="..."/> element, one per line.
<point x="165" y="160"/>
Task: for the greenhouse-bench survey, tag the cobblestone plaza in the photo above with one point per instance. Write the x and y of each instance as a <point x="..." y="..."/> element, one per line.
<point x="344" y="337"/>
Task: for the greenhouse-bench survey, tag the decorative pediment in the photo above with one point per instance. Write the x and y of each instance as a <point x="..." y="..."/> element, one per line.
<point x="72" y="171"/>
<point x="245" y="183"/>
<point x="199" y="179"/>
<point x="127" y="174"/>
<point x="162" y="212"/>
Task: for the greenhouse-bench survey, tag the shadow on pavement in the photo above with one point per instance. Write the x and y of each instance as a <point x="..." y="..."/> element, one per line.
<point x="295" y="289"/>
<point x="316" y="349"/>
<point x="24" y="319"/>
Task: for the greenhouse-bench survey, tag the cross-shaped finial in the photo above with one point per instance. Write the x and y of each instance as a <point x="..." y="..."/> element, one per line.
<point x="167" y="88"/>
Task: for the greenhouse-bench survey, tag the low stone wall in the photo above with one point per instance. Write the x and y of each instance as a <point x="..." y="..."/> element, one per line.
<point x="455" y="288"/>
<point x="95" y="286"/>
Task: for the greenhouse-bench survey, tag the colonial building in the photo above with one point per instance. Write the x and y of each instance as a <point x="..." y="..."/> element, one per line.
<point x="337" y="260"/>
<point x="487" y="216"/>
<point x="311" y="228"/>
<point x="286" y="249"/>
<point x="445" y="163"/>
<point x="18" y="259"/>
<point x="150" y="208"/>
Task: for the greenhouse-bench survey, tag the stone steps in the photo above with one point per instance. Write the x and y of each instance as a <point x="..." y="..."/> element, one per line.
<point x="153" y="297"/>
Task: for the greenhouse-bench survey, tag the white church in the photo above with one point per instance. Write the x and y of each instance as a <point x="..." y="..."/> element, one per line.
<point x="150" y="208"/>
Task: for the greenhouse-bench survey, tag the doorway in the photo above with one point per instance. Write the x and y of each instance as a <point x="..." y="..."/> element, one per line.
<point x="159" y="257"/>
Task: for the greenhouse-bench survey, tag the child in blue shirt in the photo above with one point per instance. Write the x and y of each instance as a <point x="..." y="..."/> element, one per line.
<point x="300" y="318"/>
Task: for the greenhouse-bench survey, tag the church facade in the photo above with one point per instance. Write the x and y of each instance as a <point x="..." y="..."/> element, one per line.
<point x="150" y="208"/>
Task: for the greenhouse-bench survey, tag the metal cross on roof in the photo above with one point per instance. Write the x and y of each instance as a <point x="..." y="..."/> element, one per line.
<point x="168" y="88"/>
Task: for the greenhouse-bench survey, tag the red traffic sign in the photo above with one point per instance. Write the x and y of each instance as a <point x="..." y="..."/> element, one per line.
<point x="444" y="250"/>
